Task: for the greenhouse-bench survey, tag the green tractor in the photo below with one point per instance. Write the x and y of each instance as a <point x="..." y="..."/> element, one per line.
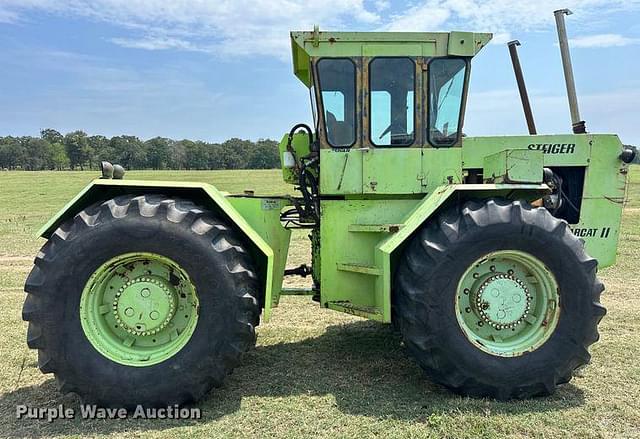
<point x="481" y="251"/>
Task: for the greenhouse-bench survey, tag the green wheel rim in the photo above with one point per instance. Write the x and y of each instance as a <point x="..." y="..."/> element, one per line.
<point x="139" y="309"/>
<point x="507" y="303"/>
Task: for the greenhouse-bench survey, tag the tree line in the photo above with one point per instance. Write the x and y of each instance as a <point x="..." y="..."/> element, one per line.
<point x="77" y="150"/>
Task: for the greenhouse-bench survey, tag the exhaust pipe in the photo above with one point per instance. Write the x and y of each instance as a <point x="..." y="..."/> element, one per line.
<point x="577" y="124"/>
<point x="522" y="88"/>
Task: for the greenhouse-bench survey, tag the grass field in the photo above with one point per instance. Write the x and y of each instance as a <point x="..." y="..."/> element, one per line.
<point x="316" y="372"/>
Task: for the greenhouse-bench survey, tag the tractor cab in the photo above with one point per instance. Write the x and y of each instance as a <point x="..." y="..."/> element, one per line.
<point x="386" y="90"/>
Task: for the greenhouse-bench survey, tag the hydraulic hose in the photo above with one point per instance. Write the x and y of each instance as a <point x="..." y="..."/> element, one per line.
<point x="305" y="127"/>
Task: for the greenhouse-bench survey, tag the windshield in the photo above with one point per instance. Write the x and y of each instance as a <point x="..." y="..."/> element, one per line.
<point x="391" y="85"/>
<point x="446" y="89"/>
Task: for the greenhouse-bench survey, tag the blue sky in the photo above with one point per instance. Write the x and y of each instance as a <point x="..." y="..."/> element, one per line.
<point x="212" y="70"/>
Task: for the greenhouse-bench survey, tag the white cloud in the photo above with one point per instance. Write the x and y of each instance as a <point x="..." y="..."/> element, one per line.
<point x="7" y="16"/>
<point x="603" y="40"/>
<point x="501" y="38"/>
<point x="156" y="43"/>
<point x="502" y="17"/>
<point x="226" y="26"/>
<point x="381" y="5"/>
<point x="419" y="19"/>
<point x="249" y="27"/>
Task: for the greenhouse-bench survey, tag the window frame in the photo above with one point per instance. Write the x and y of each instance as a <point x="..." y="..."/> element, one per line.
<point x="463" y="101"/>
<point x="320" y="100"/>
<point x="415" y="102"/>
<point x="314" y="106"/>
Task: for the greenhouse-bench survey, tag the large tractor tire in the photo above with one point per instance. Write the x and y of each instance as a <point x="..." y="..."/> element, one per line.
<point x="141" y="300"/>
<point x="498" y="299"/>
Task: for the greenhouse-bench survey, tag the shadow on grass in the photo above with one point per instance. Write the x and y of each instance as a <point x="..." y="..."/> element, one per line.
<point x="361" y="364"/>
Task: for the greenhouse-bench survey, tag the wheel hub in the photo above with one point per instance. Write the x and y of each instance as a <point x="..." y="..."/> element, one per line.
<point x="144" y="306"/>
<point x="507" y="303"/>
<point x="139" y="309"/>
<point x="503" y="301"/>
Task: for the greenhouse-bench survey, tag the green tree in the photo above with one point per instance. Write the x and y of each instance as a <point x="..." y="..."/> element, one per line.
<point x="59" y="157"/>
<point x="129" y="151"/>
<point x="235" y="152"/>
<point x="52" y="136"/>
<point x="100" y="148"/>
<point x="177" y="155"/>
<point x="159" y="152"/>
<point x="77" y="150"/>
<point x="38" y="154"/>
<point x="12" y="153"/>
<point x="77" y="147"/>
<point x="264" y="154"/>
<point x="196" y="154"/>
<point x="215" y="156"/>
<point x="187" y="148"/>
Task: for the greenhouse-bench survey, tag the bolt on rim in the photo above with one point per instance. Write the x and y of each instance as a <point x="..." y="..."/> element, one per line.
<point x="507" y="303"/>
<point x="139" y="309"/>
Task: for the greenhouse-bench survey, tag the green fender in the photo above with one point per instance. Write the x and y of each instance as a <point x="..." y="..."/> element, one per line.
<point x="257" y="219"/>
<point x="390" y="248"/>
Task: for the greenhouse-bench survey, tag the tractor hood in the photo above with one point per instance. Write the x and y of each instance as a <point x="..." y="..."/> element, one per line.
<point x="305" y="45"/>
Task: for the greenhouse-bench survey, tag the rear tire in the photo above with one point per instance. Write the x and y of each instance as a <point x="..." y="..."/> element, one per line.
<point x="194" y="239"/>
<point x="428" y="289"/>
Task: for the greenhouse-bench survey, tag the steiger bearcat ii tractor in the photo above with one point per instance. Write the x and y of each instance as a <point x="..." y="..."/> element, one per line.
<point x="481" y="251"/>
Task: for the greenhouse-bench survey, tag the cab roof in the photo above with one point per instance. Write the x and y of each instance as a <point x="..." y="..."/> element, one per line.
<point x="305" y="45"/>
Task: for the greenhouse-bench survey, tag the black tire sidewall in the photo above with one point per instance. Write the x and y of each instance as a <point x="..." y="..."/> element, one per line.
<point x="180" y="376"/>
<point x="436" y="315"/>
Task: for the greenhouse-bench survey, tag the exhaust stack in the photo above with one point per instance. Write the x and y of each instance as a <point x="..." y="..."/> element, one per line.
<point x="577" y="124"/>
<point x="522" y="88"/>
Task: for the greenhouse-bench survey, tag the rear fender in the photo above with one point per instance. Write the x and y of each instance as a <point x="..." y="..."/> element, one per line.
<point x="255" y="219"/>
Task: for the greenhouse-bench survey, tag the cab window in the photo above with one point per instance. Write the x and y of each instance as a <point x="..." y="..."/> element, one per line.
<point x="337" y="81"/>
<point x="446" y="90"/>
<point x="391" y="101"/>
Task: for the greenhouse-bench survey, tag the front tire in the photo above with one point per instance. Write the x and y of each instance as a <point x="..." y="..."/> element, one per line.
<point x="498" y="299"/>
<point x="141" y="300"/>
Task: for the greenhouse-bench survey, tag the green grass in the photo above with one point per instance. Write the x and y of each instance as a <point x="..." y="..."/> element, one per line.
<point x="316" y="372"/>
